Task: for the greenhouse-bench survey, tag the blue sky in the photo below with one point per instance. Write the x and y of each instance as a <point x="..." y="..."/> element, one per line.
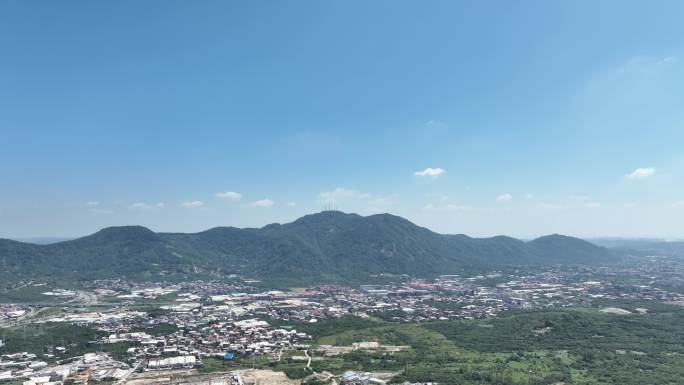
<point x="543" y="117"/>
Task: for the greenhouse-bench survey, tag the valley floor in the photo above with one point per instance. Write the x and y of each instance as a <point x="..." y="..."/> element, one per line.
<point x="580" y="327"/>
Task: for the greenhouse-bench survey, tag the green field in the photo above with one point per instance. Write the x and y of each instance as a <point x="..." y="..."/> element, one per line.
<point x="571" y="346"/>
<point x="42" y="338"/>
<point x="579" y="346"/>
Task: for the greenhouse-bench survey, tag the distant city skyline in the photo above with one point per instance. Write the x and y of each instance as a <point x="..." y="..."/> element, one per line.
<point x="523" y="119"/>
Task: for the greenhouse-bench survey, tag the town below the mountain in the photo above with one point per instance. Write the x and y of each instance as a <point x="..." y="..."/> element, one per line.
<point x="621" y="323"/>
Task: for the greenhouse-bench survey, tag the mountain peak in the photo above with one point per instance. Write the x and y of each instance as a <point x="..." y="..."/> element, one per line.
<point x="328" y="246"/>
<point x="124" y="233"/>
<point x="326" y="215"/>
<point x="559" y="238"/>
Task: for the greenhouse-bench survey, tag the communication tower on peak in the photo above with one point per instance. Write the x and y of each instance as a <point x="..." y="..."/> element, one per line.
<point x="330" y="206"/>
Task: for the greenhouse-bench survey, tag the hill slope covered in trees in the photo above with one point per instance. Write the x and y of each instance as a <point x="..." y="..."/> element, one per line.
<point x="330" y="246"/>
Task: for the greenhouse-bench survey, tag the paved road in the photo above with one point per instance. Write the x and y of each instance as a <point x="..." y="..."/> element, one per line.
<point x="308" y="364"/>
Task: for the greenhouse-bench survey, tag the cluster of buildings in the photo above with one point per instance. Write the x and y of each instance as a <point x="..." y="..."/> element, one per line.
<point x="20" y="365"/>
<point x="80" y="370"/>
<point x="357" y="378"/>
<point x="223" y="340"/>
<point x="114" y="317"/>
<point x="10" y="312"/>
<point x="64" y="293"/>
<point x="154" y="290"/>
<point x="449" y="297"/>
<point x="180" y="350"/>
<point x="195" y="321"/>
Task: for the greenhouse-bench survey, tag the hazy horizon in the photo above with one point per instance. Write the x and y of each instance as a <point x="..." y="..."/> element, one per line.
<point x="48" y="239"/>
<point x="521" y="119"/>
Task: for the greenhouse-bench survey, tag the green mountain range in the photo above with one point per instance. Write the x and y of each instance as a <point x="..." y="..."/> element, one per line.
<point x="330" y="246"/>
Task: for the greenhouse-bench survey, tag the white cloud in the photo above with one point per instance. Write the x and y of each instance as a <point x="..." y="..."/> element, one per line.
<point x="263" y="203"/>
<point x="458" y="207"/>
<point x="147" y="206"/>
<point x="95" y="210"/>
<point x="443" y="202"/>
<point x="592" y="204"/>
<point x="339" y="194"/>
<point x="430" y="172"/>
<point x="448" y="207"/>
<point x="347" y="199"/>
<point x="192" y="204"/>
<point x="667" y="60"/>
<point x="504" y="198"/>
<point x="579" y="198"/>
<point x="232" y="195"/>
<point x="677" y="205"/>
<point x="641" y="173"/>
<point x="641" y="66"/>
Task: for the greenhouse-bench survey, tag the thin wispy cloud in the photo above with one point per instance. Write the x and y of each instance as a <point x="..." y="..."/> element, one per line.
<point x="549" y="206"/>
<point x="643" y="66"/>
<point x="641" y="173"/>
<point x="263" y="203"/>
<point x="447" y="207"/>
<point x="96" y="210"/>
<point x="94" y="207"/>
<point x="339" y="194"/>
<point x="433" y="122"/>
<point x="592" y="204"/>
<point x="192" y="204"/>
<point x="352" y="200"/>
<point x="430" y="172"/>
<point x="147" y="206"/>
<point x="579" y="198"/>
<point x="230" y="195"/>
<point x="504" y="198"/>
